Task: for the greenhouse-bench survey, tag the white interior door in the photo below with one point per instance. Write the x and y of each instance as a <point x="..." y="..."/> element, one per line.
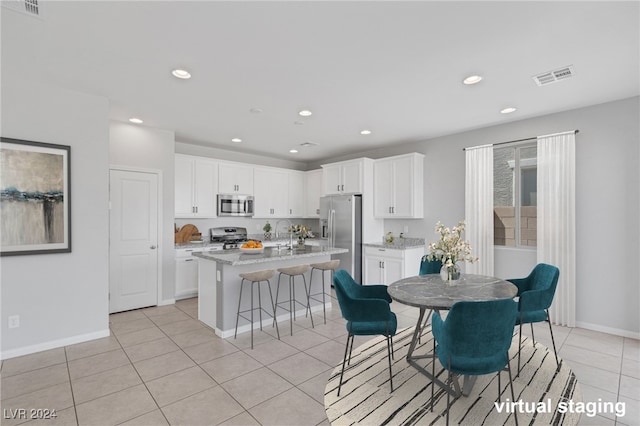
<point x="133" y="238"/>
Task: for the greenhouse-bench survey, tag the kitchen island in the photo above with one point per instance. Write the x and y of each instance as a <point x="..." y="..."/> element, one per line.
<point x="219" y="283"/>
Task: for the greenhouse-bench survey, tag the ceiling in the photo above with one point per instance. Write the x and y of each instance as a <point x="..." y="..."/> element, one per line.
<point x="395" y="68"/>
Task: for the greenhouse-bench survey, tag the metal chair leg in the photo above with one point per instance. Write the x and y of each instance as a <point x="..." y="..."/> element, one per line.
<point x="251" y="314"/>
<point x="513" y="396"/>
<point x="259" y="303"/>
<point x="344" y="360"/>
<point x="552" y="339"/>
<point x="433" y="373"/>
<point x="519" y="347"/>
<point x="533" y="336"/>
<point x="273" y="306"/>
<point x="307" y="291"/>
<point x="389" y="358"/>
<point x="235" y="335"/>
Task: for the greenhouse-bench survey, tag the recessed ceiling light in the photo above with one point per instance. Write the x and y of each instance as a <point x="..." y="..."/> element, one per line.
<point x="293" y="151"/>
<point x="183" y="74"/>
<point x="255" y="110"/>
<point x="472" y="79"/>
<point x="305" y="113"/>
<point x="365" y="132"/>
<point x="236" y="140"/>
<point x="135" y="120"/>
<point x="507" y="110"/>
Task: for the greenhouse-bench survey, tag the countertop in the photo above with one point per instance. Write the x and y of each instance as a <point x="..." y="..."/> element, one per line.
<point x="236" y="257"/>
<point x="399" y="244"/>
<point x="273" y="240"/>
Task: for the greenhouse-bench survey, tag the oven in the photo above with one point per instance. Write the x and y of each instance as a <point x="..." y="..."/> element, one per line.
<point x="228" y="237"/>
<point x="235" y="205"/>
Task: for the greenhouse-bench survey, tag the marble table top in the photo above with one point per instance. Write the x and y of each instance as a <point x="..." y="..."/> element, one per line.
<point x="431" y="292"/>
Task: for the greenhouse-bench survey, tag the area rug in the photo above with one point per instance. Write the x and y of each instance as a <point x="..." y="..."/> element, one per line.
<point x="546" y="394"/>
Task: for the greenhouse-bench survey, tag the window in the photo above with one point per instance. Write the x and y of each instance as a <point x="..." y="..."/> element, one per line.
<point x="515" y="195"/>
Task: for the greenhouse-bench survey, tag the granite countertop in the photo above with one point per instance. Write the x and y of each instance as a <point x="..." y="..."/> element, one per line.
<point x="207" y="243"/>
<point x="399" y="243"/>
<point x="237" y="257"/>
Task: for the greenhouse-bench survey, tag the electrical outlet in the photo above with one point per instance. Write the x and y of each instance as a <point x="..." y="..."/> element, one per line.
<point x="406" y="229"/>
<point x="14" y="321"/>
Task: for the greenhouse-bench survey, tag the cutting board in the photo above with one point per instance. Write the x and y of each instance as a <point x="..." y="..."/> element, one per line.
<point x="187" y="233"/>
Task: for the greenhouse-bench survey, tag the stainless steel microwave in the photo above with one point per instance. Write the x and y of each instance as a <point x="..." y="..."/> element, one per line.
<point x="235" y="205"/>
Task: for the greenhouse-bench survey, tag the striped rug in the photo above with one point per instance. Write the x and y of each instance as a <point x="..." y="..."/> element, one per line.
<point x="366" y="399"/>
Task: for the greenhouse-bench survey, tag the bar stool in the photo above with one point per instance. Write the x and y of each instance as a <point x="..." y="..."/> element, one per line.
<point x="256" y="278"/>
<point x="323" y="267"/>
<point x="292" y="272"/>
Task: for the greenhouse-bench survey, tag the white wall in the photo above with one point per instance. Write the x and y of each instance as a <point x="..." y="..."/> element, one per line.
<point x="61" y="298"/>
<point x="151" y="149"/>
<point x="607" y="202"/>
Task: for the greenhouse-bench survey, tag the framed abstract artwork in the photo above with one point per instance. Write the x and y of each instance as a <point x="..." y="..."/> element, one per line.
<point x="35" y="198"/>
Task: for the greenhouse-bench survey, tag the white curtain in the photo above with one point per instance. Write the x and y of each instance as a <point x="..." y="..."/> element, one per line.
<point x="478" y="205"/>
<point x="557" y="219"/>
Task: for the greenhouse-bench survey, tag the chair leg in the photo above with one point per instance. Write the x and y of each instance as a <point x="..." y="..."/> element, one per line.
<point x="344" y="360"/>
<point x="308" y="294"/>
<point x="235" y="335"/>
<point x="350" y="350"/>
<point x="422" y="327"/>
<point x="513" y="395"/>
<point x="552" y="339"/>
<point x="273" y="306"/>
<point x="324" y="303"/>
<point x="533" y="336"/>
<point x="251" y="288"/>
<point x="519" y="347"/>
<point x="389" y="357"/>
<point x="433" y="373"/>
<point x="392" y="350"/>
<point x="449" y="381"/>
<point x="310" y="284"/>
<point x="259" y="304"/>
<point x="499" y="386"/>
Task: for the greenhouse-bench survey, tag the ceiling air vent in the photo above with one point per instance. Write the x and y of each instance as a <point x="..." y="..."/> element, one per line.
<point x="308" y="144"/>
<point x="554" y="76"/>
<point x="28" y="7"/>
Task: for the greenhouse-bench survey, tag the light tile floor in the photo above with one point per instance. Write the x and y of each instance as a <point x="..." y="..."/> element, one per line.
<point x="161" y="366"/>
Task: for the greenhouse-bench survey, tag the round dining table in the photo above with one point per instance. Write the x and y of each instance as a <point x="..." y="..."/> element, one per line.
<point x="431" y="292"/>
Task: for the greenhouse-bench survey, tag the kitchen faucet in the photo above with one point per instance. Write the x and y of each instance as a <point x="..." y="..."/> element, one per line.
<point x="290" y="233"/>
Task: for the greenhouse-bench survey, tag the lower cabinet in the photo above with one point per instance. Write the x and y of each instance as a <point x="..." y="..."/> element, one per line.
<point x="187" y="272"/>
<point x="386" y="265"/>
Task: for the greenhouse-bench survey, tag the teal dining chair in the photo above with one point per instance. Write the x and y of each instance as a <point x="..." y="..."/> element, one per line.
<point x="428" y="267"/>
<point x="367" y="311"/>
<point x="474" y="340"/>
<point x="535" y="295"/>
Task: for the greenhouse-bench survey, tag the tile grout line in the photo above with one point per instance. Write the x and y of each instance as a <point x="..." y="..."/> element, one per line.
<point x="73" y="397"/>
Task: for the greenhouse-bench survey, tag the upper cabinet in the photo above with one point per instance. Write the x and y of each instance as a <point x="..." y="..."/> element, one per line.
<point x="270" y="193"/>
<point x="398" y="187"/>
<point x="195" y="186"/>
<point x="296" y="194"/>
<point x="313" y="187"/>
<point x="345" y="177"/>
<point x="235" y="178"/>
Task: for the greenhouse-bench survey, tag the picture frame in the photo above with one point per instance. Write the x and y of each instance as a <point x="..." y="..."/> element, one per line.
<point x="35" y="197"/>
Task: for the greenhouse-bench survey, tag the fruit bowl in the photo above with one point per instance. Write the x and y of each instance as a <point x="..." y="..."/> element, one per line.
<point x="252" y="250"/>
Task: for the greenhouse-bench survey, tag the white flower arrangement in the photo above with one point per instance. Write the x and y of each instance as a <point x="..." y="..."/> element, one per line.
<point x="301" y="231"/>
<point x="451" y="248"/>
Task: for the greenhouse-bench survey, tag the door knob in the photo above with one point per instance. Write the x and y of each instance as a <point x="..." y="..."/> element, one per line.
<point x="152" y="247"/>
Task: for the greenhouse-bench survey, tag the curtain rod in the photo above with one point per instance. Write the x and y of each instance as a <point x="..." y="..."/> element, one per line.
<point x="528" y="139"/>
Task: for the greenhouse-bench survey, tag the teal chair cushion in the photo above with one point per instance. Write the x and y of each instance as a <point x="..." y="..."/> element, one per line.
<point x="429" y="267"/>
<point x="476" y="336"/>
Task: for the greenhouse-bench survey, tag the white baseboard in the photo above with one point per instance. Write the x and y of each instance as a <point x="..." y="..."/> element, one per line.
<point x="609" y="330"/>
<point x="245" y="328"/>
<point x="26" y="350"/>
<point x="167" y="302"/>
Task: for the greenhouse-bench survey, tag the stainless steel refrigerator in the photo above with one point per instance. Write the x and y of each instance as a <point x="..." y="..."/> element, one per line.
<point x="341" y="226"/>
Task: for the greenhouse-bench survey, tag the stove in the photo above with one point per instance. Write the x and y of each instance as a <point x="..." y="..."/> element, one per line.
<point x="230" y="237"/>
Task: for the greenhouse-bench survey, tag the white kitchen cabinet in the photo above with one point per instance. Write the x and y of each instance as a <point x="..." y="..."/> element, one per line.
<point x="235" y="178"/>
<point x="313" y="192"/>
<point x="384" y="265"/>
<point x="398" y="187"/>
<point x="345" y="177"/>
<point x="296" y="198"/>
<point x="271" y="193"/>
<point x="187" y="272"/>
<point x="195" y="187"/>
